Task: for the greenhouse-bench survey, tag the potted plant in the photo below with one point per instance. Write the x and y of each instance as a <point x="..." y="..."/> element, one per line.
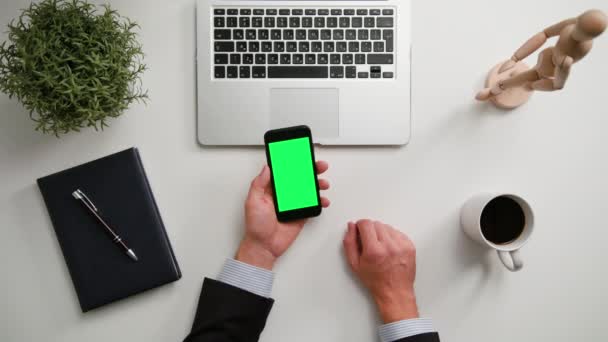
<point x="72" y="64"/>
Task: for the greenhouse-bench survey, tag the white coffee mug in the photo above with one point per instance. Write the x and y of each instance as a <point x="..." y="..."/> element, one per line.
<point x="470" y="219"/>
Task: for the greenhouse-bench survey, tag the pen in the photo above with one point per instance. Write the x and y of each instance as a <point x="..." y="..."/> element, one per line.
<point x="80" y="195"/>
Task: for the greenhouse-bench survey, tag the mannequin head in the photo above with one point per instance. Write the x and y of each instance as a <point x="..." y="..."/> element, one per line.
<point x="590" y="25"/>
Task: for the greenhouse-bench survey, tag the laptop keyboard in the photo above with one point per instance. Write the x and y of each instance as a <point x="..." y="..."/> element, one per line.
<point x="306" y="42"/>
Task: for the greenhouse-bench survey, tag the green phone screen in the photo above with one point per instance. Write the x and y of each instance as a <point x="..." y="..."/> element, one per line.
<point x="293" y="173"/>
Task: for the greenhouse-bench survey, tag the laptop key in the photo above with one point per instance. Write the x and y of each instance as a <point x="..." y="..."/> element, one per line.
<point x="347" y="58"/>
<point x="258" y="11"/>
<point x="361" y="12"/>
<point x="271" y="12"/>
<point x="284" y="11"/>
<point x="233" y="11"/>
<point x="387" y="11"/>
<point x="334" y="58"/>
<point x="235" y="58"/>
<point x="231" y="22"/>
<point x="220" y="72"/>
<point x="351" y="34"/>
<point x="363" y="34"/>
<point x="313" y="34"/>
<point x="223" y="46"/>
<point x="336" y="12"/>
<point x="300" y="34"/>
<point x="341" y="47"/>
<point x="322" y="58"/>
<point x="275" y="34"/>
<point x="360" y="58"/>
<point x="336" y="72"/>
<point x="245" y="11"/>
<point x="357" y="22"/>
<point x="363" y="75"/>
<point x="241" y="46"/>
<point x="295" y="21"/>
<point x="297" y="11"/>
<point x="244" y="22"/>
<point x="384" y="58"/>
<point x="319" y="22"/>
<point x="323" y="12"/>
<point x="244" y="72"/>
<point x="285" y="58"/>
<point x="266" y="47"/>
<point x="288" y="34"/>
<point x="257" y="22"/>
<point x="218" y="22"/>
<point x="292" y="47"/>
<point x="310" y="11"/>
<point x="332" y="22"/>
<point x="353" y="46"/>
<point x="304" y="47"/>
<point x="375" y="34"/>
<point x="311" y="58"/>
<point x="328" y="47"/>
<point x="369" y="22"/>
<point x="366" y="46"/>
<point x="388" y="36"/>
<point x="254" y="46"/>
<point x="219" y="11"/>
<point x="378" y="46"/>
<point x="273" y="58"/>
<point x="282" y="22"/>
<point x="232" y="72"/>
<point x="374" y="12"/>
<point x="384" y="22"/>
<point x="387" y="74"/>
<point x="376" y="75"/>
<point x="307" y="22"/>
<point x="250" y="34"/>
<point x="221" y="58"/>
<point x="338" y="34"/>
<point x="238" y="34"/>
<point x="349" y="12"/>
<point x="351" y="72"/>
<point x="325" y="34"/>
<point x="269" y="22"/>
<point x="260" y="58"/>
<point x="279" y="46"/>
<point x="298" y="59"/>
<point x="345" y="22"/>
<point x="297" y="72"/>
<point x="316" y="47"/>
<point x="247" y="58"/>
<point x="221" y="34"/>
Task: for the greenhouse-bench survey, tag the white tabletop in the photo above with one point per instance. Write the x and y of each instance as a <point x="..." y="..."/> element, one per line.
<point x="552" y="151"/>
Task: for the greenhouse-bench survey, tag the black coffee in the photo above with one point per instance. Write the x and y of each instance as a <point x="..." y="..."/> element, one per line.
<point x="502" y="220"/>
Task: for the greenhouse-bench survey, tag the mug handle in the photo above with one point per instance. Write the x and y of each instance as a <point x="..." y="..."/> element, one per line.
<point x="511" y="260"/>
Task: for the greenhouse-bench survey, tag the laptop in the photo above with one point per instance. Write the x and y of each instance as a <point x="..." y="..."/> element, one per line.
<point x="340" y="67"/>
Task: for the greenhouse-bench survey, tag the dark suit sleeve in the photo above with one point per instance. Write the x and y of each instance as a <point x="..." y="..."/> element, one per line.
<point x="228" y="314"/>
<point x="430" y="337"/>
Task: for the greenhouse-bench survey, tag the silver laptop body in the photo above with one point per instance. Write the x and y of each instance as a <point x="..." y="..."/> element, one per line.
<point x="340" y="67"/>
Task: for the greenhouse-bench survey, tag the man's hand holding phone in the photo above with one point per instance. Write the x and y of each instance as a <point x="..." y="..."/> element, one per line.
<point x="266" y="239"/>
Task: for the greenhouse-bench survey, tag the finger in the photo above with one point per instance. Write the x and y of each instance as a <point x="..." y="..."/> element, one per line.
<point x="325" y="202"/>
<point x="321" y="166"/>
<point x="382" y="232"/>
<point x="350" y="245"/>
<point x="367" y="231"/>
<point x="260" y="183"/>
<point x="323" y="184"/>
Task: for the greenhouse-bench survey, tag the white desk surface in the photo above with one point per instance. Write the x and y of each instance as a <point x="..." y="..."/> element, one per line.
<point x="553" y="151"/>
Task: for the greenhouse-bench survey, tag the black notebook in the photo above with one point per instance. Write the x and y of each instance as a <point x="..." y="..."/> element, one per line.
<point x="100" y="270"/>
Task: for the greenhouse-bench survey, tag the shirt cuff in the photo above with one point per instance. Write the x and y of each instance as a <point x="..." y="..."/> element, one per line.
<point x="402" y="329"/>
<point x="247" y="277"/>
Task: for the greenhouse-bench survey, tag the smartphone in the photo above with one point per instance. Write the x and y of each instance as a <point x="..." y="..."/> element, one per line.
<point x="291" y="158"/>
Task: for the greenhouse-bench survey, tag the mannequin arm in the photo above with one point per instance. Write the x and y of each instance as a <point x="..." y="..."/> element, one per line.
<point x="536" y="42"/>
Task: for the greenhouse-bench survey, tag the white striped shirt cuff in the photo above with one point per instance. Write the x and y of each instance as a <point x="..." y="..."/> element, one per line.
<point x="397" y="330"/>
<point x="247" y="277"/>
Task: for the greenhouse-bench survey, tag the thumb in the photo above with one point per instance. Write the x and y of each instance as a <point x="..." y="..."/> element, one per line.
<point x="261" y="182"/>
<point x="351" y="249"/>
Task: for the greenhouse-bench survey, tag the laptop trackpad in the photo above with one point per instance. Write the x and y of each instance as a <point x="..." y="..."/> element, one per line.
<point x="317" y="108"/>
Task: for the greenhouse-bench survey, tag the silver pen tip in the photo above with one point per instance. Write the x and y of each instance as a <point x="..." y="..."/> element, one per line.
<point x="77" y="194"/>
<point x="131" y="254"/>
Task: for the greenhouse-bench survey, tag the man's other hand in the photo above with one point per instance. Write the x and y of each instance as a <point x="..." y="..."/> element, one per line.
<point x="384" y="260"/>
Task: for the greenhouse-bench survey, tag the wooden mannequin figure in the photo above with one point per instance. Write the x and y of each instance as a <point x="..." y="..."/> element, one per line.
<point x="511" y="83"/>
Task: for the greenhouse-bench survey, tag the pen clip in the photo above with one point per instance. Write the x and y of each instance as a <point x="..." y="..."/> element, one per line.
<point x="80" y="195"/>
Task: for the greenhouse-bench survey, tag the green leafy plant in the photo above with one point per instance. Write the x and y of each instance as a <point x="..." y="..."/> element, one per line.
<point x="71" y="65"/>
